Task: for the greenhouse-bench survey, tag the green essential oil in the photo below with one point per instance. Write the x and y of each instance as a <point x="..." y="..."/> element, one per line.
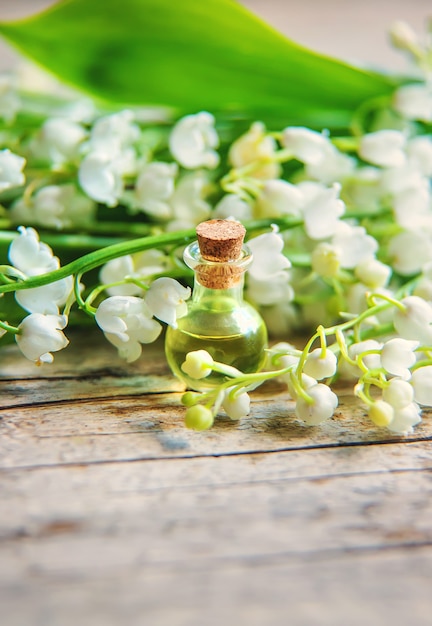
<point x="231" y="331"/>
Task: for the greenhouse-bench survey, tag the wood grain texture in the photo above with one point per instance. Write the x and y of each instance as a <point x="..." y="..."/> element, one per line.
<point x="111" y="512"/>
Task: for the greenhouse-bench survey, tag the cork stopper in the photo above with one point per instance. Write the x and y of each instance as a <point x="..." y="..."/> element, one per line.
<point x="220" y="240"/>
<point x="220" y="243"/>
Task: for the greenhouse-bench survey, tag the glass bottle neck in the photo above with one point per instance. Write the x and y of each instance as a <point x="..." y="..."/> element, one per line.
<point x="218" y="297"/>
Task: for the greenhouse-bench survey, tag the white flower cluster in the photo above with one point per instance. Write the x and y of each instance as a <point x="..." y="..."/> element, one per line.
<point x="340" y="228"/>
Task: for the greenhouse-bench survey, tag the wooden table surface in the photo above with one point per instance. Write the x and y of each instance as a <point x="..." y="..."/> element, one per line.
<point x="111" y="512"/>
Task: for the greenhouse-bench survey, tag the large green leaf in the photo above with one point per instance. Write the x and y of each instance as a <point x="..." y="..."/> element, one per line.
<point x="192" y="55"/>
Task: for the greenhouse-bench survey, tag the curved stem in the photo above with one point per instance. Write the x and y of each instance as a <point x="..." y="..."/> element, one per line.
<point x="8" y="328"/>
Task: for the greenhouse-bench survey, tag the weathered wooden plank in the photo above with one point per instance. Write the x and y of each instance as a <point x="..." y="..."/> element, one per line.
<point x="15" y="393"/>
<point x="87" y="354"/>
<point x="151" y="426"/>
<point x="58" y="518"/>
<point x="348" y="588"/>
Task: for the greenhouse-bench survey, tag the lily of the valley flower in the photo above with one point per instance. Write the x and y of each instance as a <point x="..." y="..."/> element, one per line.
<point x="60" y="141"/>
<point x="193" y="141"/>
<point x="397" y="356"/>
<point x="33" y="258"/>
<point x="112" y="134"/>
<point x="40" y="335"/>
<point x="305" y="145"/>
<point x="110" y="158"/>
<point x="320" y="365"/>
<point x="232" y="206"/>
<point x="256" y="146"/>
<point x="414" y="321"/>
<point x="353" y="244"/>
<point x="166" y="299"/>
<point x="198" y="364"/>
<point x="414" y="102"/>
<point x="45" y="299"/>
<point x="30" y="255"/>
<point x="278" y="197"/>
<point x="11" y="170"/>
<point x="399" y="393"/>
<point x="55" y="206"/>
<point x="421" y="381"/>
<point x="322" y="209"/>
<point x="384" y="148"/>
<point x="268" y="280"/>
<point x="188" y="201"/>
<point x="101" y="176"/>
<point x="139" y="266"/>
<point x="236" y="406"/>
<point x="323" y="405"/>
<point x="127" y="323"/>
<point x="323" y="162"/>
<point x="154" y="187"/>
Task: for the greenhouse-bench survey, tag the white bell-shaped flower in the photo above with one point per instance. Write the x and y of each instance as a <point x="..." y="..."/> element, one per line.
<point x="55" y="206"/>
<point x="127" y="323"/>
<point x="335" y="167"/>
<point x="278" y="197"/>
<point x="166" y="299"/>
<point x="384" y="148"/>
<point x="414" y="102"/>
<point x="276" y="289"/>
<point x="268" y="257"/>
<point x="421" y="380"/>
<point x="40" y="335"/>
<point x="353" y="244"/>
<point x="419" y="153"/>
<point x="31" y="256"/>
<point x="399" y="393"/>
<point x="411" y="206"/>
<point x="381" y="413"/>
<point x="140" y="265"/>
<point x="11" y="170"/>
<point x="373" y="273"/>
<point x="255" y="146"/>
<point x="405" y="418"/>
<point x="193" y="141"/>
<point x="307" y="382"/>
<point x="397" y="356"/>
<point x="188" y="200"/>
<point x="45" y="299"/>
<point x="60" y="140"/>
<point x="410" y="251"/>
<point x="322" y="209"/>
<point x="325" y="260"/>
<point x="360" y="350"/>
<point x="100" y="179"/>
<point x="237" y="406"/>
<point x="198" y="364"/>
<point x="154" y="187"/>
<point x="320" y="364"/>
<point x="114" y="133"/>
<point x="323" y="406"/>
<point x="306" y="145"/>
<point x="232" y="206"/>
<point x="268" y="280"/>
<point x="415" y="321"/>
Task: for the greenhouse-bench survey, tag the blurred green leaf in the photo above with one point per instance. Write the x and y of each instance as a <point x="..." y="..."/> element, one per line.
<point x="193" y="55"/>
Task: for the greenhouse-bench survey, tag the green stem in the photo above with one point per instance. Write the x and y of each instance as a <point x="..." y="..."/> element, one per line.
<point x="10" y="329"/>
<point x="100" y="257"/>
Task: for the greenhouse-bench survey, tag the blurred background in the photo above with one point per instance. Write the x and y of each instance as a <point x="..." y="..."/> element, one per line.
<point x="347" y="29"/>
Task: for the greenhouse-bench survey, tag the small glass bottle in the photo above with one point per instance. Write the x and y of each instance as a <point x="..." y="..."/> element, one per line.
<point x="218" y="319"/>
